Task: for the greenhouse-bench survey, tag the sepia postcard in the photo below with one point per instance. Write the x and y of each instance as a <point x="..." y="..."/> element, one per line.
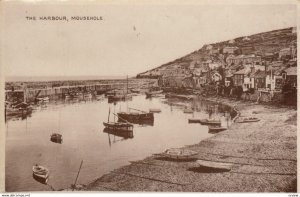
<point x="148" y="96"/>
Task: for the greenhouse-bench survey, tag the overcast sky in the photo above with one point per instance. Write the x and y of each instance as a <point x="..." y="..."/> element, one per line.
<point x="130" y="38"/>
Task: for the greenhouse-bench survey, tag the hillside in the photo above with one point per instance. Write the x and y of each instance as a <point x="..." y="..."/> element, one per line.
<point x="266" y="45"/>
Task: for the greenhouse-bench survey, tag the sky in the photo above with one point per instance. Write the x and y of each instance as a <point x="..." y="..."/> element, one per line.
<point x="131" y="38"/>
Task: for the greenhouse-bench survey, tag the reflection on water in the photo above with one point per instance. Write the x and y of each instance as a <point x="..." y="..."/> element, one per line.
<point x="81" y="125"/>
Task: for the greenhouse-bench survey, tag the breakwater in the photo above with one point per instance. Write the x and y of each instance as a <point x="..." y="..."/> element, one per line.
<point x="29" y="91"/>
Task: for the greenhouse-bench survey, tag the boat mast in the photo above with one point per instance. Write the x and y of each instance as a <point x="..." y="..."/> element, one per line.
<point x="108" y="115"/>
<point x="127" y="84"/>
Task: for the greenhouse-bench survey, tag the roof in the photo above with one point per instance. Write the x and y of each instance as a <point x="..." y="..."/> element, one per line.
<point x="285" y="49"/>
<point x="242" y="72"/>
<point x="291" y="71"/>
<point x="258" y="74"/>
<point x="229" y="75"/>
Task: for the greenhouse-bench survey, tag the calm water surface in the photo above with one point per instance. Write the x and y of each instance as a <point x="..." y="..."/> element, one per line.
<point x="80" y="123"/>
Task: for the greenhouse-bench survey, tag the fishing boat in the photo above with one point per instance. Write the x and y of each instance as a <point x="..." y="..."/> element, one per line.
<point x="194" y="120"/>
<point x="40" y="173"/>
<point x="116" y="98"/>
<point x="210" y="122"/>
<point x="179" y="154"/>
<point x="216" y="129"/>
<point x="135" y="117"/>
<point x="17" y="109"/>
<point x="250" y="119"/>
<point x="56" y="137"/>
<point x="118" y="126"/>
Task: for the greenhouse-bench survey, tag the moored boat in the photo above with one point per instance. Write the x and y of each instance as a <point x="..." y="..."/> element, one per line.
<point x="135" y="117"/>
<point x="155" y="110"/>
<point x="56" y="137"/>
<point x="40" y="173"/>
<point x="153" y="93"/>
<point x="210" y="122"/>
<point x="188" y="111"/>
<point x="118" y="126"/>
<point x="194" y="120"/>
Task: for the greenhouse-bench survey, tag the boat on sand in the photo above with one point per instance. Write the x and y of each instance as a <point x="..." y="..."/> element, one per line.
<point x="179" y="154"/>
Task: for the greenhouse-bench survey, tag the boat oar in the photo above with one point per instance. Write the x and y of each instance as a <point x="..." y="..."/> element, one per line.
<point x="138" y="110"/>
<point x="77" y="176"/>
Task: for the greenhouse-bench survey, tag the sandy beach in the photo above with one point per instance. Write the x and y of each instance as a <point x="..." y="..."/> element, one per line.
<point x="262" y="156"/>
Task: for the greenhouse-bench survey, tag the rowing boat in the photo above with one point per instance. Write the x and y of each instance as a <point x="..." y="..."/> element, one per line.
<point x="179" y="154"/>
<point x="40" y="173"/>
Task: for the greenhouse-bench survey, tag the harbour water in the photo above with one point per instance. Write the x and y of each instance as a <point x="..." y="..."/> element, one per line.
<point x="81" y="125"/>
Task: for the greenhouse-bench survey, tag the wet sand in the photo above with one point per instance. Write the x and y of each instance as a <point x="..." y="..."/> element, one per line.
<point x="262" y="156"/>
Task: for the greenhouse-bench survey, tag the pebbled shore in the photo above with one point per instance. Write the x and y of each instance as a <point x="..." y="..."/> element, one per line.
<point x="263" y="155"/>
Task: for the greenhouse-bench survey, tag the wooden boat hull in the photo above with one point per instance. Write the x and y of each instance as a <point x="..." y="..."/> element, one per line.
<point x="40" y="174"/>
<point x="155" y="110"/>
<point x="216" y="129"/>
<point x="249" y="120"/>
<point x="194" y="120"/>
<point x="135" y="117"/>
<point x="215" y="165"/>
<point x="209" y="122"/>
<point x="118" y="126"/>
<point x="124" y="134"/>
<point x="179" y="154"/>
<point x="151" y="94"/>
<point x="188" y="111"/>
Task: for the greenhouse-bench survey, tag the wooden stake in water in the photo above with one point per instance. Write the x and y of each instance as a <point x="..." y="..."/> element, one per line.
<point x="77" y="175"/>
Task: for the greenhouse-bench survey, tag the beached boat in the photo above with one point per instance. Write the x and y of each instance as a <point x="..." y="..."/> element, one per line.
<point x="215" y="165"/>
<point x="246" y="120"/>
<point x="56" y="137"/>
<point x="216" y="129"/>
<point x="40" y="173"/>
<point x="179" y="154"/>
<point x="210" y="122"/>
